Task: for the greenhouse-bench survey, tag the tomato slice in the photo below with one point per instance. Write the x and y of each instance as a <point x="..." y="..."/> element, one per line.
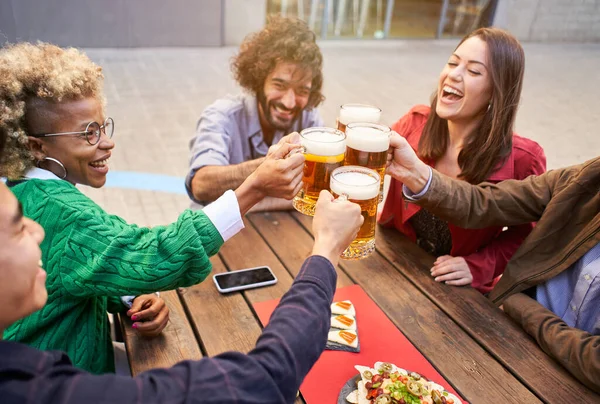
<point x="347" y="336"/>
<point x="344" y="305"/>
<point x="347" y="321"/>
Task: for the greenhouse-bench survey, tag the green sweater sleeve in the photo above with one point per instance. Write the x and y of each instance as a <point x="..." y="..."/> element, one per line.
<point x="100" y="254"/>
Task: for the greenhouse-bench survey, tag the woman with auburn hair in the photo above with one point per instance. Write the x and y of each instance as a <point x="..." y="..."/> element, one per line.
<point x="52" y="110"/>
<point x="467" y="133"/>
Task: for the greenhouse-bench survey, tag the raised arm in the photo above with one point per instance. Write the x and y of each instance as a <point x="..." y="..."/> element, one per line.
<point x="271" y="373"/>
<point x="210" y="182"/>
<point x="508" y="203"/>
<point x="210" y="173"/>
<point x="103" y="255"/>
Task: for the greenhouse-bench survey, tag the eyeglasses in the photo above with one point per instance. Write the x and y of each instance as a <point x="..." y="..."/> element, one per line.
<point x="92" y="131"/>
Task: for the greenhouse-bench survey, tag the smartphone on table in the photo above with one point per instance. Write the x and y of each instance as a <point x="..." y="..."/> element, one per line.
<point x="244" y="279"/>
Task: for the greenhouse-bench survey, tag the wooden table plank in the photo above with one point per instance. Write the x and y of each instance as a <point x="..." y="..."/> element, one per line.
<point x="304" y="220"/>
<point x="289" y="240"/>
<point x="224" y="322"/>
<point x="176" y="343"/>
<point x="469" y="368"/>
<point x="246" y="250"/>
<point x="485" y="323"/>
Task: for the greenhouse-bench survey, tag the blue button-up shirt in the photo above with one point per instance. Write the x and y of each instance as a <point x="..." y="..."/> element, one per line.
<point x="229" y="132"/>
<point x="574" y="295"/>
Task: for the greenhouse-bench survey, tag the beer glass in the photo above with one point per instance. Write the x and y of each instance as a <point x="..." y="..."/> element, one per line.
<point x="350" y="113"/>
<point x="359" y="185"/>
<point x="324" y="150"/>
<point x="367" y="145"/>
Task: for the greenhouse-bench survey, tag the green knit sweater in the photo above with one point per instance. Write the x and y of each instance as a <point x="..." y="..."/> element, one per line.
<point x="91" y="257"/>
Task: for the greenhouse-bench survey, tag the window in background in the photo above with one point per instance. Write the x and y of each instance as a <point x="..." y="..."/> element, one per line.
<point x="378" y="19"/>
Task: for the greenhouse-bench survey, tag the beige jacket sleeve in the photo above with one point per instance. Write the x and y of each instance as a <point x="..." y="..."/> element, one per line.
<point x="578" y="351"/>
<point x="507" y="203"/>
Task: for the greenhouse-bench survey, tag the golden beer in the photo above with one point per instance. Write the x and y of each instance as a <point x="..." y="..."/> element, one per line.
<point x="350" y="113"/>
<point x="367" y="145"/>
<point x="324" y="150"/>
<point x="360" y="185"/>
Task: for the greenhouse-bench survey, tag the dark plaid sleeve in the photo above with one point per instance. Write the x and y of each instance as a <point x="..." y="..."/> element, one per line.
<point x="271" y="373"/>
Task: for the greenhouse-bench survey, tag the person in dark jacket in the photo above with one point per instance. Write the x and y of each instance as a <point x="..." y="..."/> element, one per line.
<point x="271" y="373"/>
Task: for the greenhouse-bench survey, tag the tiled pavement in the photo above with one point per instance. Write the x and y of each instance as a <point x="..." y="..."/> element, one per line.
<point x="156" y="96"/>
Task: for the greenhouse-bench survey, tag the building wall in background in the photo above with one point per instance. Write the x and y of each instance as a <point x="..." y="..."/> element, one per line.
<point x="551" y="20"/>
<point x="154" y="23"/>
<point x="7" y="23"/>
<point x="113" y="23"/>
<point x="243" y="17"/>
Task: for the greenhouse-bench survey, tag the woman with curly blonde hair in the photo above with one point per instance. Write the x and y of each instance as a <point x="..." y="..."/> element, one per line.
<point x="52" y="112"/>
<point x="280" y="67"/>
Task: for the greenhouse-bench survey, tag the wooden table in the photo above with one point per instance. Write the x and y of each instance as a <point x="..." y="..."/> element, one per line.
<point x="484" y="355"/>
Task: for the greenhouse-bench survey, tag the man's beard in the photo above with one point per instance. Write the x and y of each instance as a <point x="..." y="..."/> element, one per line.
<point x="266" y="108"/>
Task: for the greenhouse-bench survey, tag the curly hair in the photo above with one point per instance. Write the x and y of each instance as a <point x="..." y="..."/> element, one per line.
<point x="44" y="71"/>
<point x="281" y="40"/>
<point x="2" y="143"/>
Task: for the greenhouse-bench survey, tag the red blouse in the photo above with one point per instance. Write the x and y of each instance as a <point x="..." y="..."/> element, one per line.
<point x="486" y="251"/>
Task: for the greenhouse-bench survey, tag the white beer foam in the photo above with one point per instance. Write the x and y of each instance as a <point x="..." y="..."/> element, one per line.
<point x="367" y="139"/>
<point x="322" y="143"/>
<point x="357" y="185"/>
<point x="359" y="113"/>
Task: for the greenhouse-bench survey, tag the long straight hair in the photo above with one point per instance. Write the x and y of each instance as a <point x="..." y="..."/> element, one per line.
<point x="491" y="142"/>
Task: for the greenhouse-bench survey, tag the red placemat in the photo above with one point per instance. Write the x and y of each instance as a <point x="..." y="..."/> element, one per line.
<point x="380" y="340"/>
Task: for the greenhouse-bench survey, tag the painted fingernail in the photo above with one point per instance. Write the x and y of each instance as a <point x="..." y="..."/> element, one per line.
<point x="134" y="325"/>
<point x="134" y="318"/>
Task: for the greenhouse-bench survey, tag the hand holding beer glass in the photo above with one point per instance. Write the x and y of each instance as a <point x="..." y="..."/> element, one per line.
<point x="351" y="113"/>
<point x="367" y="145"/>
<point x="335" y="225"/>
<point x="361" y="186"/>
<point x="324" y="150"/>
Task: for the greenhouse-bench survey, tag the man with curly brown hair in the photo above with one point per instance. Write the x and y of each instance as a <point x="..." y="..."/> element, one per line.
<point x="280" y="67"/>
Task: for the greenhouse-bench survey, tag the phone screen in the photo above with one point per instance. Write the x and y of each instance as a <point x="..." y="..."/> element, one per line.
<point x="242" y="278"/>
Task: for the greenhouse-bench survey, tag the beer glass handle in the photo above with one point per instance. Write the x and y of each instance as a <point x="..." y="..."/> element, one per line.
<point x="300" y="149"/>
<point x="342" y="198"/>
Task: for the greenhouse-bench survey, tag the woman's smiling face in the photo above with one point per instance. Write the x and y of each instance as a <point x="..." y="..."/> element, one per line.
<point x="85" y="163"/>
<point x="465" y="84"/>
